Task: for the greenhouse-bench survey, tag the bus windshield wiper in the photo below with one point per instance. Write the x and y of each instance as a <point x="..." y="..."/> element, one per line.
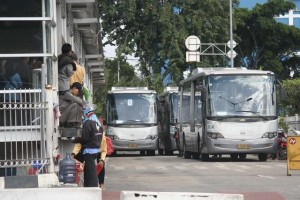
<point x="255" y="113"/>
<point x="233" y="103"/>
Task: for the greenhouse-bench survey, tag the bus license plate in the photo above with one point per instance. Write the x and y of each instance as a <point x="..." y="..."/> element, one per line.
<point x="132" y="145"/>
<point x="243" y="146"/>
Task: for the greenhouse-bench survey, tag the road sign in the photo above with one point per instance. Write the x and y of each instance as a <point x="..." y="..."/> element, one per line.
<point x="192" y="43"/>
<point x="192" y="56"/>
<point x="233" y="44"/>
<point x="234" y="54"/>
<point x="293" y="153"/>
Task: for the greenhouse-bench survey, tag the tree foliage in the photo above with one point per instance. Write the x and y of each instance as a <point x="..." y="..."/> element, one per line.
<point x="155" y="30"/>
<point x="292" y="92"/>
<point x="264" y="43"/>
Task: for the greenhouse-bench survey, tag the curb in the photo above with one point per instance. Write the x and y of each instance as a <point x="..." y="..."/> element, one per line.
<point x="132" y="195"/>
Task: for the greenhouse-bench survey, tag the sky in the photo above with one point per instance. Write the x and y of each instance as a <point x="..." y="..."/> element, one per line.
<point x="250" y="3"/>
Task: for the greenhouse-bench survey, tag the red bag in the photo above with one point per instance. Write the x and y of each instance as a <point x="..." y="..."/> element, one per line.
<point x="110" y="148"/>
<point x="99" y="168"/>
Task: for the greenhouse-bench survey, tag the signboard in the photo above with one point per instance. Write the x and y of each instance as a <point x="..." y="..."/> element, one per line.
<point x="234" y="54"/>
<point x="293" y="153"/>
<point x="192" y="43"/>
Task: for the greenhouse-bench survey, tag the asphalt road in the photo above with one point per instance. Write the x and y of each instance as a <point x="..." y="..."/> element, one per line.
<point x="255" y="180"/>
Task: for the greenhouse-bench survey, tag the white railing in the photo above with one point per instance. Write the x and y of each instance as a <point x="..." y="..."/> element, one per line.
<point x="22" y="130"/>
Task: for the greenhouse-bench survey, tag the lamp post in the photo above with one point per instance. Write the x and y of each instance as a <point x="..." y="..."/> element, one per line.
<point x="231" y="34"/>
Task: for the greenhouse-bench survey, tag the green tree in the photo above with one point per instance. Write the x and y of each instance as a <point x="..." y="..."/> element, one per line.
<point x="292" y="91"/>
<point x="264" y="43"/>
<point x="155" y="31"/>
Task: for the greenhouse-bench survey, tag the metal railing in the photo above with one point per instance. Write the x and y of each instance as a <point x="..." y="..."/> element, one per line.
<point x="22" y="132"/>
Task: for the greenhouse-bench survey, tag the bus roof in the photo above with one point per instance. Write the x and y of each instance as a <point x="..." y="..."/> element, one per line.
<point x="199" y="72"/>
<point x="122" y="90"/>
<point x="169" y="90"/>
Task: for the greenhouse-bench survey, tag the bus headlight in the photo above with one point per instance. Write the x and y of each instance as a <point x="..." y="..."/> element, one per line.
<point x="269" y="135"/>
<point x="214" y="135"/>
<point x="110" y="133"/>
<point x="152" y="137"/>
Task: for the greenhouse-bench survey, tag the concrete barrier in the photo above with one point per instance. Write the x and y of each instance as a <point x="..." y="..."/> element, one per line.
<point x="52" y="194"/>
<point x="136" y="195"/>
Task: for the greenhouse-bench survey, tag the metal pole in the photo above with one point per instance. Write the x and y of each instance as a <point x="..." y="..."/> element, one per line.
<point x="231" y="34"/>
<point x="118" y="70"/>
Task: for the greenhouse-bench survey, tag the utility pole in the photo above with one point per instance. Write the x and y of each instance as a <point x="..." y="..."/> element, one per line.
<point x="118" y="70"/>
<point x="231" y="35"/>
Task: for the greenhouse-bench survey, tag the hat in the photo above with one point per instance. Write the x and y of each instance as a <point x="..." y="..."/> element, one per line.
<point x="77" y="85"/>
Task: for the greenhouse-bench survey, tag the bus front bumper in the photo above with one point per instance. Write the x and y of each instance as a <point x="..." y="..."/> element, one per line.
<point x="225" y="146"/>
<point x="137" y="145"/>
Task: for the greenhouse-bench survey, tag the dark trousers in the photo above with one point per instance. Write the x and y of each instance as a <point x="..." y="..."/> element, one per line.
<point x="90" y="173"/>
<point x="101" y="175"/>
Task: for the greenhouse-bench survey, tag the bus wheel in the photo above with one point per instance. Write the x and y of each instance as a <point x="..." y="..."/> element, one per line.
<point x="160" y="151"/>
<point x="234" y="156"/>
<point x="186" y="154"/>
<point x="114" y="154"/>
<point x="196" y="155"/>
<point x="151" y="153"/>
<point x="204" y="157"/>
<point x="143" y="153"/>
<point x="262" y="157"/>
<point x="169" y="152"/>
<point x="242" y="155"/>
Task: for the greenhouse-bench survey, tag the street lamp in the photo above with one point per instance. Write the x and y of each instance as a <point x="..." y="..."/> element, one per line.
<point x="231" y="35"/>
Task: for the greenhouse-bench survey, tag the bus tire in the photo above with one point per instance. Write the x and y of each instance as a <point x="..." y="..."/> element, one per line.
<point x="242" y="155"/>
<point x="204" y="157"/>
<point x="262" y="157"/>
<point x="142" y="152"/>
<point x="234" y="156"/>
<point x="150" y="153"/>
<point x="186" y="154"/>
<point x="160" y="151"/>
<point x="169" y="152"/>
<point x="195" y="155"/>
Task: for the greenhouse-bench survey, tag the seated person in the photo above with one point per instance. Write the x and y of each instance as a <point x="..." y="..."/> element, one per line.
<point x="70" y="106"/>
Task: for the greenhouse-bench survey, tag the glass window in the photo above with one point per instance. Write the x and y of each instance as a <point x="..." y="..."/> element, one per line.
<point x="283" y="20"/>
<point x="241" y="95"/>
<point x="21" y="8"/>
<point x="27" y="69"/>
<point x="21" y="37"/>
<point x="132" y="108"/>
<point x="297" y="22"/>
<point x="174" y="107"/>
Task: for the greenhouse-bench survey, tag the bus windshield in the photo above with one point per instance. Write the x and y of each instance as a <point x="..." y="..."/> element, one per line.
<point x="131" y="108"/>
<point x="241" y="95"/>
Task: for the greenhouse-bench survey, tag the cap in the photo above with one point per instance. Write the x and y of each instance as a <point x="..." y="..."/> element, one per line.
<point x="77" y="85"/>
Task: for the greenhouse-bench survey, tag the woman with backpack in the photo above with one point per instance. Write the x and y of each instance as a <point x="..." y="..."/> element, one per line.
<point x="89" y="146"/>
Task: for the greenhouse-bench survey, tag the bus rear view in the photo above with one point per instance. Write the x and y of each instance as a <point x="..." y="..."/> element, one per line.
<point x="132" y="119"/>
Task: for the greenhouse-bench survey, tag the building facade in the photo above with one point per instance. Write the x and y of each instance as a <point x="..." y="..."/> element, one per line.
<point x="31" y="35"/>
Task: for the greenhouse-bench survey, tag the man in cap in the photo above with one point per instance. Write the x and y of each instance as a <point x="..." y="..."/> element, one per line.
<point x="70" y="106"/>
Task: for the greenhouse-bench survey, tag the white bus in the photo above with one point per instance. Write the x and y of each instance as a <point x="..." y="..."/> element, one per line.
<point x="167" y="120"/>
<point x="238" y="108"/>
<point x="131" y="119"/>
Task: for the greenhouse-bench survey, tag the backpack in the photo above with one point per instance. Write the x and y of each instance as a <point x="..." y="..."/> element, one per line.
<point x="110" y="147"/>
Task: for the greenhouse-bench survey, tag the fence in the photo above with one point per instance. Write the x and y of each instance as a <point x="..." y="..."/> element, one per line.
<point x="22" y="132"/>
